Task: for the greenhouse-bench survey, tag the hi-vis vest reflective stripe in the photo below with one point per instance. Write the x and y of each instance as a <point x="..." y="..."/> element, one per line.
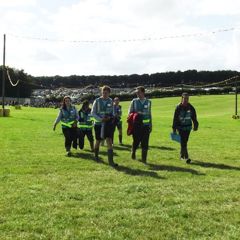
<point x="87" y="122"/>
<point x="68" y="124"/>
<point x="146" y="120"/>
<point x="84" y="126"/>
<point x="68" y="117"/>
<point x="144" y="109"/>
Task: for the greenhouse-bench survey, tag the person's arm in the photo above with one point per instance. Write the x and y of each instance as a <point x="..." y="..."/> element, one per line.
<point x="76" y="114"/>
<point x="194" y="118"/>
<point x="150" y="112"/>
<point x="74" y="125"/>
<point x="131" y="107"/>
<point x="58" y="119"/>
<point x="94" y="112"/>
<point x="175" y="119"/>
<point x="120" y="112"/>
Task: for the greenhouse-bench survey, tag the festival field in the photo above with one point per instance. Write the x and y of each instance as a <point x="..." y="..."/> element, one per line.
<point x="46" y="195"/>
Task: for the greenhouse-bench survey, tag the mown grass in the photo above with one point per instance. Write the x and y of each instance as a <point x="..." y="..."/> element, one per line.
<point x="45" y="195"/>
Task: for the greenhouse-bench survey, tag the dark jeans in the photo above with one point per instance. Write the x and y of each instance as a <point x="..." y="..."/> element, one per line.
<point x="70" y="135"/>
<point x="141" y="135"/>
<point x="81" y="136"/>
<point x="184" y="140"/>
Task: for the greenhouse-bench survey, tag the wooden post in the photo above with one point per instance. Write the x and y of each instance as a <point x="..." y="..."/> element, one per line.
<point x="236" y="98"/>
<point x="3" y="72"/>
<point x="236" y="116"/>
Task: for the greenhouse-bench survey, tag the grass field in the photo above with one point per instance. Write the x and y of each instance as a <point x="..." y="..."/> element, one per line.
<point x="45" y="195"/>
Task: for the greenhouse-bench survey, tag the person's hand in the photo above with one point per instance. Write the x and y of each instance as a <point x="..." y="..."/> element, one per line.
<point x="105" y="119"/>
<point x="74" y="125"/>
<point x="195" y="129"/>
<point x="150" y="129"/>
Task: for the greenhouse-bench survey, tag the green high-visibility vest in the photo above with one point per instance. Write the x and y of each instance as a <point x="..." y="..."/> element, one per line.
<point x="143" y="108"/>
<point x="104" y="108"/>
<point x="68" y="117"/>
<point x="85" y="120"/>
<point x="185" y="120"/>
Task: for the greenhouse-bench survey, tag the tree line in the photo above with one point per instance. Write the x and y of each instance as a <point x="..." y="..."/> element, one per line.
<point x="167" y="79"/>
<point x="24" y="87"/>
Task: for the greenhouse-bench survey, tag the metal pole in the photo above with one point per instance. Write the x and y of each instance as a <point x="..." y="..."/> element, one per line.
<point x="3" y="72"/>
<point x="236" y="99"/>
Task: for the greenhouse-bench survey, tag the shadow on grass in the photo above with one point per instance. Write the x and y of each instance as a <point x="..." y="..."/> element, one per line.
<point x="83" y="155"/>
<point x="122" y="147"/>
<point x="129" y="147"/>
<point x="163" y="148"/>
<point x="215" y="165"/>
<point x="89" y="152"/>
<point x="119" y="168"/>
<point x="137" y="172"/>
<point x="156" y="167"/>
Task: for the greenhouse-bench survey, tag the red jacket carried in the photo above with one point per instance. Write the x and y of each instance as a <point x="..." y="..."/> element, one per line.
<point x="132" y="120"/>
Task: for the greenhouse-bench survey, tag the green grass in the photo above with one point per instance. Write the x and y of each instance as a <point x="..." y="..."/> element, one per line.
<point x="45" y="195"/>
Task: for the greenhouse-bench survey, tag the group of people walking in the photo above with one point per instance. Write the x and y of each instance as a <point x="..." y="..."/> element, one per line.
<point x="105" y="117"/>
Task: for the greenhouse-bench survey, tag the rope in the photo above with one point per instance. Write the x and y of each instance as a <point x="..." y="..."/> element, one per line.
<point x="129" y="40"/>
<point x="10" y="80"/>
<point x="209" y="85"/>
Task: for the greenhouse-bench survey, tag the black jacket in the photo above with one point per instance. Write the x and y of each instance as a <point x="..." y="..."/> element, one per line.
<point x="176" y="123"/>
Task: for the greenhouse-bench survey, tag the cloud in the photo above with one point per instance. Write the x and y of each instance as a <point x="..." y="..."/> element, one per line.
<point x="43" y="55"/>
<point x="114" y="19"/>
<point x="17" y="3"/>
<point x="217" y="7"/>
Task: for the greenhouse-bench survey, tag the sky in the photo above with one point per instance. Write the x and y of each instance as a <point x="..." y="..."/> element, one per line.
<point x="64" y="21"/>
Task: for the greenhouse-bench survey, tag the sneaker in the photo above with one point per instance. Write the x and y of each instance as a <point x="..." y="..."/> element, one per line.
<point x="113" y="165"/>
<point x="68" y="154"/>
<point x="188" y="161"/>
<point x="133" y="155"/>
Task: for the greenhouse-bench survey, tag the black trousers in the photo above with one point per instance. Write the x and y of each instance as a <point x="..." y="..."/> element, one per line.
<point x="117" y="125"/>
<point x="141" y="135"/>
<point x="184" y="140"/>
<point x="81" y="137"/>
<point x="70" y="135"/>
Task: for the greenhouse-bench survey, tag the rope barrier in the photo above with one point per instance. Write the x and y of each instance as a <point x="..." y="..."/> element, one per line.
<point x="208" y="85"/>
<point x="128" y="40"/>
<point x="10" y="80"/>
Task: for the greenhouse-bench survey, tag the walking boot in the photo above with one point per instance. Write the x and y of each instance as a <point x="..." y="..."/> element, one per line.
<point x="144" y="155"/>
<point x="96" y="151"/>
<point x="92" y="146"/>
<point x="68" y="154"/>
<point x="110" y="158"/>
<point x="188" y="161"/>
<point x="120" y="139"/>
<point x="133" y="153"/>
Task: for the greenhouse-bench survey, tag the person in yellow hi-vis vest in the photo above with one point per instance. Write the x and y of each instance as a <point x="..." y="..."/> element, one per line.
<point x="68" y="117"/>
<point x="103" y="113"/>
<point x="85" y="125"/>
<point x="141" y="131"/>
